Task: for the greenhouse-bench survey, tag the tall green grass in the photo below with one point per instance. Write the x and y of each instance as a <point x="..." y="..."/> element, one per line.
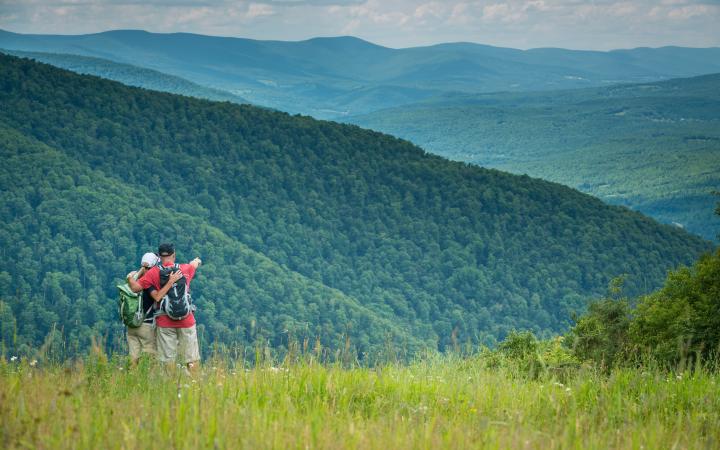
<point x="435" y="402"/>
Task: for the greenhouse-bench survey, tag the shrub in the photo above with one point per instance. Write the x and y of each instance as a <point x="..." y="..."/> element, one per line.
<point x="681" y="322"/>
<point x="601" y="335"/>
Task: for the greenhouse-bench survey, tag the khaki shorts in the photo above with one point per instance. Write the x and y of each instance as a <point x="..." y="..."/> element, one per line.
<point x="168" y="340"/>
<point x="142" y="340"/>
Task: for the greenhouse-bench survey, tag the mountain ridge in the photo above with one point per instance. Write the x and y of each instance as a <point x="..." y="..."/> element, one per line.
<point x="129" y="75"/>
<point x="314" y="76"/>
<point x="355" y="39"/>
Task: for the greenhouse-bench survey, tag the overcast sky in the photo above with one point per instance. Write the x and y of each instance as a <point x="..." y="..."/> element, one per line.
<point x="599" y="24"/>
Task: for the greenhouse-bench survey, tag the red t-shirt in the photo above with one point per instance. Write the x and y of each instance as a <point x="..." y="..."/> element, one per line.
<point x="152" y="278"/>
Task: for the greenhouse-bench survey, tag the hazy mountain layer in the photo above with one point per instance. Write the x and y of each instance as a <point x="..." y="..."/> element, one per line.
<point x="333" y="77"/>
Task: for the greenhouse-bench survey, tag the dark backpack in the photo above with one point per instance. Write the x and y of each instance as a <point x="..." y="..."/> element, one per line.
<point x="177" y="303"/>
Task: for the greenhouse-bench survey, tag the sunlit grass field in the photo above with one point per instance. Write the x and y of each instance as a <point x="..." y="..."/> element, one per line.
<point x="436" y="402"/>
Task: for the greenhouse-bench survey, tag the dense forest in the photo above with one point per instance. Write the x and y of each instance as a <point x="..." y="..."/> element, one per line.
<point x="309" y="229"/>
<point x="654" y="147"/>
<point x="130" y="75"/>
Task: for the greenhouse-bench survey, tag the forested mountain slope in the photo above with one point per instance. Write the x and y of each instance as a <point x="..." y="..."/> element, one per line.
<point x="309" y="228"/>
<point x="654" y="147"/>
<point x="70" y="231"/>
<point x="334" y="77"/>
<point x="130" y="75"/>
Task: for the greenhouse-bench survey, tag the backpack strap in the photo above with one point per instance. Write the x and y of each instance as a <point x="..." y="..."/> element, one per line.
<point x="148" y="312"/>
<point x="163" y="302"/>
<point x="141" y="298"/>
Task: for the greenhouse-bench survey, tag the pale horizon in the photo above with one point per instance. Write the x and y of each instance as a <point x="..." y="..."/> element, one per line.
<point x="600" y="25"/>
<point x="351" y="36"/>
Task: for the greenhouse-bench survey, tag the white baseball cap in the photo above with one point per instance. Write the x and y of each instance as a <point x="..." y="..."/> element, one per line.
<point x="149" y="259"/>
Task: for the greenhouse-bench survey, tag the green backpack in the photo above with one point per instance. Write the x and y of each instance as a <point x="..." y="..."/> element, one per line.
<point x="131" y="310"/>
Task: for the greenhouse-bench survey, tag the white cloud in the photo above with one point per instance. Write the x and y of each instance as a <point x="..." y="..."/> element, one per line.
<point x="516" y="23"/>
<point x="688" y="12"/>
<point x="623" y="9"/>
<point x="191" y="15"/>
<point x="496" y="11"/>
<point x="259" y="10"/>
<point x="351" y="27"/>
<point x="433" y="10"/>
<point x="462" y="14"/>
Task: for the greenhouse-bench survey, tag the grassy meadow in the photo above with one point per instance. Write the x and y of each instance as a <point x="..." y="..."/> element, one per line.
<point x="435" y="402"/>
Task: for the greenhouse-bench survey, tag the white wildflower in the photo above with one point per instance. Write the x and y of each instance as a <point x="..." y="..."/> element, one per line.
<point x="33" y="363"/>
<point x="13" y="359"/>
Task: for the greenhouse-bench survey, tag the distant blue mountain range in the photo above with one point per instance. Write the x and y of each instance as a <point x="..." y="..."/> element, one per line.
<point x="340" y="76"/>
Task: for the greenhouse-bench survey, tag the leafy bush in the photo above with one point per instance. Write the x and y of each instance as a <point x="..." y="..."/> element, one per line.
<point x="681" y="322"/>
<point x="673" y="327"/>
<point x="526" y="355"/>
<point x="519" y="345"/>
<point x="601" y="335"/>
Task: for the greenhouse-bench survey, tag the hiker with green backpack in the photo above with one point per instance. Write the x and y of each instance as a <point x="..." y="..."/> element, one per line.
<point x="137" y="311"/>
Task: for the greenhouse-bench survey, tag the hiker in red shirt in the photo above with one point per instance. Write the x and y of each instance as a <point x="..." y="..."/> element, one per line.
<point x="175" y="322"/>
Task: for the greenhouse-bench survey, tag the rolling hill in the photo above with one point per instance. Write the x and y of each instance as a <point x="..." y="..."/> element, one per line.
<point x="654" y="147"/>
<point x="335" y="77"/>
<point x="309" y="229"/>
<point x="130" y="75"/>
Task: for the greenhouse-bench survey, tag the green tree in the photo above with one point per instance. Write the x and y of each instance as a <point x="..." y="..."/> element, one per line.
<point x="682" y="320"/>
<point x="601" y="335"/>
